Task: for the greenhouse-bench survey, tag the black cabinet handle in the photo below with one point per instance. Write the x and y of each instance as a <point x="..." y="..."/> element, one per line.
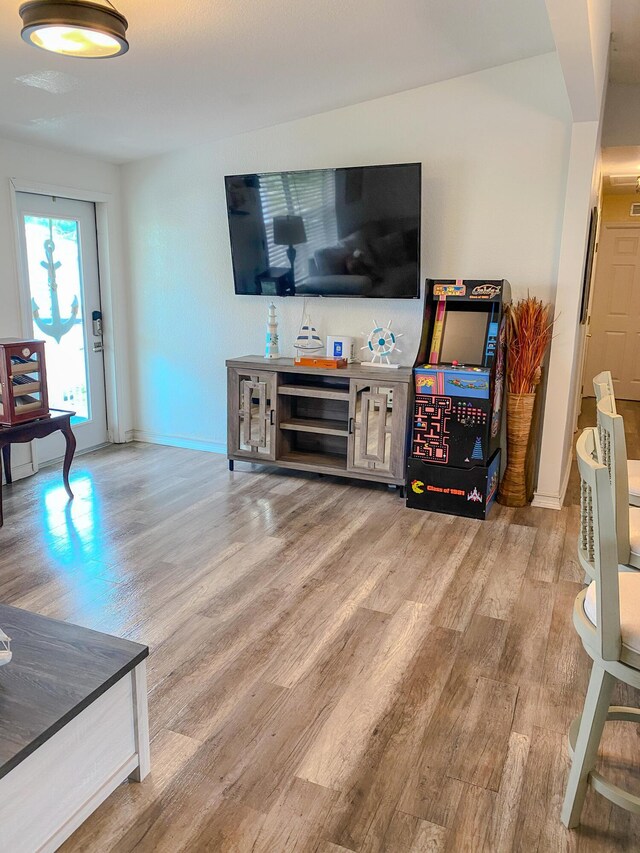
<point x="350" y="430"/>
<point x="271" y="414"/>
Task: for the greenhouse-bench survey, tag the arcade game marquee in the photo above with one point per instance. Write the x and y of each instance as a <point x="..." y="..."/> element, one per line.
<point x="454" y="463"/>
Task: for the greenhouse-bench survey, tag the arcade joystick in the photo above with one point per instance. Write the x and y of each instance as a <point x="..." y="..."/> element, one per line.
<point x="455" y="363"/>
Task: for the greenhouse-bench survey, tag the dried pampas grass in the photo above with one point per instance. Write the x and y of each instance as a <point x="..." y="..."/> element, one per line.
<point x="528" y="327"/>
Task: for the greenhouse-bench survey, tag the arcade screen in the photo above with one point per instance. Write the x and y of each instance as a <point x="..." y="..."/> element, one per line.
<point x="464" y="337"/>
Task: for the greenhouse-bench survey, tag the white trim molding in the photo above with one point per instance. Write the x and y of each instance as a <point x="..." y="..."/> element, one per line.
<point x="546" y="501"/>
<point x="19" y="472"/>
<point x="179" y="441"/>
<point x="39" y="188"/>
<point x="112" y="294"/>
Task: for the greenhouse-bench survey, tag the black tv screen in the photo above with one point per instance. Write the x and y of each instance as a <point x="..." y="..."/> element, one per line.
<point x="327" y="232"/>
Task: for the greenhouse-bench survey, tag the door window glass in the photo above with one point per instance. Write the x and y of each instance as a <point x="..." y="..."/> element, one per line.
<point x="55" y="285"/>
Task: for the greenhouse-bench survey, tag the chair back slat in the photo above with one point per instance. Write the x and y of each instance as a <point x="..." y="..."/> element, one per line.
<point x="599" y="539"/>
<point x="603" y="387"/>
<point x="585" y="537"/>
<point x="614" y="456"/>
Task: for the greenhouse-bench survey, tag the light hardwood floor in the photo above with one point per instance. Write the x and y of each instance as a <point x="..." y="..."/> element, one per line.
<point x="329" y="671"/>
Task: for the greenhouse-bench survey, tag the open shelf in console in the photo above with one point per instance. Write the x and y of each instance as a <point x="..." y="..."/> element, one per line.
<point x="314" y="442"/>
<point x="318" y="391"/>
<point x="320" y="406"/>
<point x="324" y="426"/>
<point x="313" y="461"/>
<point x="314" y="385"/>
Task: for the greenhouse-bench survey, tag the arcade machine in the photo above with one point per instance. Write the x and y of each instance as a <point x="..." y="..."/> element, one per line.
<point x="454" y="463"/>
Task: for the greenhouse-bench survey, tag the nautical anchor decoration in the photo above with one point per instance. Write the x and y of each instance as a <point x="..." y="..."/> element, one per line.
<point x="53" y="326"/>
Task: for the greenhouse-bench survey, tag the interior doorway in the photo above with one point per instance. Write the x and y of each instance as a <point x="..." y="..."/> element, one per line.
<point x="613" y="324"/>
<point x="59" y="260"/>
<point x="613" y="339"/>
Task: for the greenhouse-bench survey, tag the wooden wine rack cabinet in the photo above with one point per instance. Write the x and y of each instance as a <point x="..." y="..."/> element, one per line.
<point x="23" y="381"/>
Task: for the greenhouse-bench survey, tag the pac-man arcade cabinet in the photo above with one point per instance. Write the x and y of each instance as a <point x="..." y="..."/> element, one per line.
<point x="454" y="462"/>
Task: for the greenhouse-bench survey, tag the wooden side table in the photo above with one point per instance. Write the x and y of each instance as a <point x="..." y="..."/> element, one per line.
<point x="20" y="433"/>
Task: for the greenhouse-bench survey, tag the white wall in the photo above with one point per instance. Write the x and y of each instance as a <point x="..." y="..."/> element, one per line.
<point x="581" y="32"/>
<point x="36" y="165"/>
<point x="494" y="148"/>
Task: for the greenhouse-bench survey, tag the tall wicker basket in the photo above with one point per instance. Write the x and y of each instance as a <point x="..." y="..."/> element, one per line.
<point x="513" y="488"/>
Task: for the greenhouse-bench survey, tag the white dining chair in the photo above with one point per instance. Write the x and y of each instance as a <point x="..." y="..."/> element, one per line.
<point x="602" y="388"/>
<point x="606" y="615"/>
<point x="614" y="455"/>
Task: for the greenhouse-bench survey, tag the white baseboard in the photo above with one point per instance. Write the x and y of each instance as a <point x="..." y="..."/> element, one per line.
<point x="554" y="501"/>
<point x="56" y="461"/>
<point x="547" y="501"/>
<point x="19" y="472"/>
<point x="128" y="436"/>
<point x="179" y="441"/>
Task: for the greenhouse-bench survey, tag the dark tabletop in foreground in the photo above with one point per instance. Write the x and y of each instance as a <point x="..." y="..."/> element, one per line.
<point x="57" y="670"/>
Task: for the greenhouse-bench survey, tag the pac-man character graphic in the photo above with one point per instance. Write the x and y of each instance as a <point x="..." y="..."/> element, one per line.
<point x="417" y="486"/>
<point x="425" y="381"/>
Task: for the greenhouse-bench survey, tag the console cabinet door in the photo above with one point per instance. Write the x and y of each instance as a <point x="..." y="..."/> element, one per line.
<point x="377" y="424"/>
<point x="251" y="414"/>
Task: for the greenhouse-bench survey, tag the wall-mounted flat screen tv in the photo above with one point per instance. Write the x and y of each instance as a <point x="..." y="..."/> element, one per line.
<point x="327" y="232"/>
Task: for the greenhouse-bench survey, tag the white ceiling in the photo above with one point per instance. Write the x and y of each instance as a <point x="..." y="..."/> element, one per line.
<point x="205" y="69"/>
<point x="623" y="161"/>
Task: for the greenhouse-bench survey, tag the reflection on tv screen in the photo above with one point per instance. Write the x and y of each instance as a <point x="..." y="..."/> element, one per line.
<point x="327" y="232"/>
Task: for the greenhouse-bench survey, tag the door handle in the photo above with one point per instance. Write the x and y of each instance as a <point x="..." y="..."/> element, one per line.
<point x="96" y="322"/>
<point x="350" y="429"/>
<point x="271" y="414"/>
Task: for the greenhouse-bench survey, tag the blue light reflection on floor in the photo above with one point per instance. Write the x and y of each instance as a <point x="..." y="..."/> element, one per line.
<point x="72" y="524"/>
<point x="74" y="532"/>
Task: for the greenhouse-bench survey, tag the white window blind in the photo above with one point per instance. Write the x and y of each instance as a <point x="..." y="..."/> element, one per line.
<point x="311" y="195"/>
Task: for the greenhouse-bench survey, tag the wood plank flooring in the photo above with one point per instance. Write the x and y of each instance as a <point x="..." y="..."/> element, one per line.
<point x="329" y="671"/>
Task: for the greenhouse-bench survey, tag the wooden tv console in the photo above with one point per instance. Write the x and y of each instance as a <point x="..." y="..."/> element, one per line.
<point x="350" y="422"/>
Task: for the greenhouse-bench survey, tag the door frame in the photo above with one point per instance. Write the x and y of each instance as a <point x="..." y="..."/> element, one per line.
<point x="602" y="227"/>
<point x="112" y="297"/>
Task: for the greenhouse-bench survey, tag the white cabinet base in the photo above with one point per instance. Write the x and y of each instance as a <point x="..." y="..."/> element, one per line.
<point x="48" y="795"/>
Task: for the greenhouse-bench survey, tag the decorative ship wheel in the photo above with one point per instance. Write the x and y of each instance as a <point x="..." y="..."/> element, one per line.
<point x="381" y="342"/>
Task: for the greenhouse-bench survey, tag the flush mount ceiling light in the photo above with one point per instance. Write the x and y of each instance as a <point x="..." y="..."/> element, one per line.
<point x="75" y="27"/>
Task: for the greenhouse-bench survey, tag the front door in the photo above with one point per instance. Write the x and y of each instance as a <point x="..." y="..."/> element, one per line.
<point x="614" y="333"/>
<point x="59" y="259"/>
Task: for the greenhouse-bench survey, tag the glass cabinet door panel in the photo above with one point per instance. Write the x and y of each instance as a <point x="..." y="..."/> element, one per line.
<point x="372" y="427"/>
<point x="256" y="415"/>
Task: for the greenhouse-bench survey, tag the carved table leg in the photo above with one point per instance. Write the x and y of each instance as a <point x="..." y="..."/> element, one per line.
<point x="68" y="456"/>
<point x="6" y="460"/>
